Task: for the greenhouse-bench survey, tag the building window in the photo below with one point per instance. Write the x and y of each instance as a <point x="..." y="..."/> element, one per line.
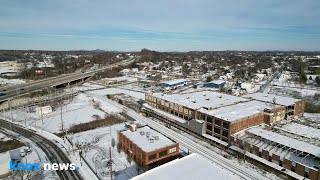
<point x="153" y="156"/>
<point x="172" y="150"/>
<point x="163" y="153"/>
<point x="226" y="125"/>
<point x="209" y="119"/>
<point x="209" y="127"/>
<point x="225" y="133"/>
<point x="217" y="130"/>
<point x="217" y="122"/>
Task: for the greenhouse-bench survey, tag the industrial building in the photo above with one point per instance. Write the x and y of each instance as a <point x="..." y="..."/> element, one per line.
<point x="174" y="83"/>
<point x="147" y="147"/>
<point x="218" y="84"/>
<point x="190" y="167"/>
<point x="213" y="115"/>
<point x="293" y="107"/>
<point x="292" y="154"/>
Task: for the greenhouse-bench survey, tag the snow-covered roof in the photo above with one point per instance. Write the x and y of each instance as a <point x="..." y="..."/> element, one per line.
<point x="201" y="99"/>
<point x="174" y="81"/>
<point x="190" y="167"/>
<point x="139" y="137"/>
<point x="286" y="141"/>
<point x="286" y="101"/>
<point x="217" y="81"/>
<point x="121" y="78"/>
<point x="236" y="111"/>
<point x="302" y="130"/>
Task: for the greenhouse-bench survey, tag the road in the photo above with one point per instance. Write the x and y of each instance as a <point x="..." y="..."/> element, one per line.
<point x="52" y="151"/>
<point x="19" y="89"/>
<point x="264" y="87"/>
<point x="186" y="142"/>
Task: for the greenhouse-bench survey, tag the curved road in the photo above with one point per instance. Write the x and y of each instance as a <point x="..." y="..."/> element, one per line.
<point x="53" y="152"/>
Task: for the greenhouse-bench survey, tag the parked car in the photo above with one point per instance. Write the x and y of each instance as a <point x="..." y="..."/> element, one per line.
<point x="22" y="152"/>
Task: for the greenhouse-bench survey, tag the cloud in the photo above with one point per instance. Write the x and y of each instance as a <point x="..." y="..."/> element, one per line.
<point x="203" y="23"/>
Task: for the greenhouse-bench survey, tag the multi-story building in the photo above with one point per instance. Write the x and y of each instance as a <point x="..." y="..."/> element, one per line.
<point x="148" y="147"/>
<point x="293" y="107"/>
<point x="221" y="115"/>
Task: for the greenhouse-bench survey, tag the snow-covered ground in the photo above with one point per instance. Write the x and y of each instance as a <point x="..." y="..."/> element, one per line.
<point x="284" y="85"/>
<point x="98" y="143"/>
<point x="315" y="117"/>
<point x="36" y="156"/>
<point x="8" y="82"/>
<point x="80" y="110"/>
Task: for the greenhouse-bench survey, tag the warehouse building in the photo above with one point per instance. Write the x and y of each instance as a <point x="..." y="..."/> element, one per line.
<point x="212" y="114"/>
<point x="218" y="84"/>
<point x="293" y="107"/>
<point x="147" y="147"/>
<point x="292" y="154"/>
<point x="174" y="83"/>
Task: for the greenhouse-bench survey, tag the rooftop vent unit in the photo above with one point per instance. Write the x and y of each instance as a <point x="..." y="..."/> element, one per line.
<point x="204" y="94"/>
<point x="188" y="97"/>
<point x="220" y="96"/>
<point x="156" y="137"/>
<point x="142" y="133"/>
<point x="207" y="99"/>
<point x="194" y="101"/>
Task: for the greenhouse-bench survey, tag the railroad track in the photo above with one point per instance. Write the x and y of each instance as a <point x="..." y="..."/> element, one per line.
<point x="191" y="145"/>
<point x="52" y="151"/>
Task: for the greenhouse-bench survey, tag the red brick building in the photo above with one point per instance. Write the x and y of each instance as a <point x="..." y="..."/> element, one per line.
<point x="148" y="147"/>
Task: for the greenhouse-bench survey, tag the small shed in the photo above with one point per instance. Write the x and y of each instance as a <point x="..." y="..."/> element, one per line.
<point x="43" y="110"/>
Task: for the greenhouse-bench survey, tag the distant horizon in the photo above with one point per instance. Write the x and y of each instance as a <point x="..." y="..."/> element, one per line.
<point x="102" y="50"/>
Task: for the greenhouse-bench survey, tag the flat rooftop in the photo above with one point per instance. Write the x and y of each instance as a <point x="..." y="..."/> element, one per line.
<point x="302" y="130"/>
<point x="217" y="81"/>
<point x="201" y="99"/>
<point x="286" y="141"/>
<point x="240" y="110"/>
<point x="174" y="81"/>
<point x="143" y="139"/>
<point x="190" y="167"/>
<point x="285" y="101"/>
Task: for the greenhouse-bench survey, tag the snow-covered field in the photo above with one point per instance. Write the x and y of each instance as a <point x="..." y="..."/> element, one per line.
<point x="4" y="81"/>
<point x="79" y="110"/>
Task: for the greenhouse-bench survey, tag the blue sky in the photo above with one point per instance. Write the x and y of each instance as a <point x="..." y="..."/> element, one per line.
<point x="166" y="25"/>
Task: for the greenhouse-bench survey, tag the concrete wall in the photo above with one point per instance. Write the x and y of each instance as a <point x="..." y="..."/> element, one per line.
<point x="197" y="127"/>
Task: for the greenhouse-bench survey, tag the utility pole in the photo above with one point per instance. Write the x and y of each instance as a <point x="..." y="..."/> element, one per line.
<point x="11" y="114"/>
<point x="41" y="117"/>
<point x="110" y="164"/>
<point x="61" y="118"/>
